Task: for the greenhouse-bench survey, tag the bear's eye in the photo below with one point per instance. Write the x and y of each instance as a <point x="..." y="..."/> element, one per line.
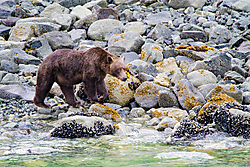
<point x="118" y="70"/>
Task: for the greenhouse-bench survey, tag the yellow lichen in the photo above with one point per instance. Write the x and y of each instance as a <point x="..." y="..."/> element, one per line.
<point x="116" y="127"/>
<point x="196" y="48"/>
<point x="157" y="114"/>
<point x="115" y="116"/>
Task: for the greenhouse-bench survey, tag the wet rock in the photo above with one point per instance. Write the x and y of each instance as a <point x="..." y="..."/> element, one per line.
<point x="147" y="94"/>
<point x="195" y="35"/>
<point x="65" y="20"/>
<point x="120" y="93"/>
<point x="136" y="112"/>
<point x="9" y="66"/>
<point x="137" y="27"/>
<point x="161" y="17"/>
<point x="219" y="34"/>
<point x="231" y="90"/>
<point x="201" y="77"/>
<point x="59" y="40"/>
<point x="55" y="7"/>
<point x="160" y="30"/>
<point x="167" y="99"/>
<point x="20" y="57"/>
<point x="166" y="122"/>
<point x="131" y="41"/>
<point x="187" y="3"/>
<point x="121" y="129"/>
<point x="100" y="28"/>
<point x="105" y="111"/>
<point x="188" y="96"/>
<point x="139" y="66"/>
<point x="167" y="65"/>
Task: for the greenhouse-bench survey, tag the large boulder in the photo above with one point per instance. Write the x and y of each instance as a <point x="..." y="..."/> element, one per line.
<point x="99" y="29"/>
<point x="201" y="77"/>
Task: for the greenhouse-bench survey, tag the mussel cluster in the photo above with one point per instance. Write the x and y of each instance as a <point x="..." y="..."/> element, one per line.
<point x="233" y="124"/>
<point x="206" y="116"/>
<point x="133" y="85"/>
<point x="74" y="130"/>
<point x="190" y="130"/>
<point x="87" y="114"/>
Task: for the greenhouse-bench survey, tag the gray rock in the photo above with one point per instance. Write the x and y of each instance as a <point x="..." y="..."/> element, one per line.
<point x="240" y="70"/>
<point x="30" y="68"/>
<point x="116" y="50"/>
<point x="130" y="56"/>
<point x="139" y="66"/>
<point x="65" y="20"/>
<point x="188" y="96"/>
<point x="9" y="79"/>
<point x="161" y="17"/>
<point x="166" y="122"/>
<point x="77" y="35"/>
<point x="40" y="28"/>
<point x="195" y="35"/>
<point x="233" y="75"/>
<point x="146" y="94"/>
<point x="5" y="54"/>
<point x="20" y="57"/>
<point x="55" y="7"/>
<point x="205" y="89"/>
<point x="126" y="16"/>
<point x="86" y="44"/>
<point x="100" y="28"/>
<point x="136" y="112"/>
<point x="80" y="12"/>
<point x="246" y="97"/>
<point x="131" y="41"/>
<point x="218" y="64"/>
<point x="115" y="31"/>
<point x="22" y="32"/>
<point x="59" y="40"/>
<point x="242" y="5"/>
<point x="9" y="66"/>
<point x="71" y="3"/>
<point x="194" y="54"/>
<point x="151" y="53"/>
<point x="229" y="89"/>
<point x="145" y="77"/>
<point x="2" y="74"/>
<point x="219" y="34"/>
<point x="4" y="31"/>
<point x="245" y="86"/>
<point x="41" y="46"/>
<point x="153" y="122"/>
<point x="160" y="30"/>
<point x="6" y="7"/>
<point x="167" y="99"/>
<point x="137" y="27"/>
<point x="186" y="3"/>
<point x="86" y="21"/>
<point x="201" y="77"/>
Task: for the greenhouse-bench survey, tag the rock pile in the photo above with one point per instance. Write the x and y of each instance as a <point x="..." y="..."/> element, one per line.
<point x="187" y="59"/>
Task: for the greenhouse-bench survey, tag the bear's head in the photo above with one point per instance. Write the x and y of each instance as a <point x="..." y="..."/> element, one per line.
<point x="117" y="67"/>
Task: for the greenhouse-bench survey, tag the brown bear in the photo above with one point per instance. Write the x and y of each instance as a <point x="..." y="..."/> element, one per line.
<point x="68" y="67"/>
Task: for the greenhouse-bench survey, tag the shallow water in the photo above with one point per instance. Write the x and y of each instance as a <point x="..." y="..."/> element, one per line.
<point x="144" y="147"/>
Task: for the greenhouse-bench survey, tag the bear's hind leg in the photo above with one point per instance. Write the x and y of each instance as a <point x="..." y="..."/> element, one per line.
<point x="68" y="92"/>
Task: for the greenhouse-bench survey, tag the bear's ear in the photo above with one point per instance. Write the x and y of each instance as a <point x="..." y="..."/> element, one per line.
<point x="110" y="59"/>
<point x="123" y="58"/>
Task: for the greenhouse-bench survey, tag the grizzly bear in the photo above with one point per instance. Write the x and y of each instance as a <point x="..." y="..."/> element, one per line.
<point x="68" y="67"/>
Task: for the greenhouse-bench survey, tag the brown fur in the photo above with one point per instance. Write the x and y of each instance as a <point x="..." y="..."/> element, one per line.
<point x="68" y="67"/>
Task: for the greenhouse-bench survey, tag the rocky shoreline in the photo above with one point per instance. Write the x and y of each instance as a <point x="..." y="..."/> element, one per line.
<point x="188" y="66"/>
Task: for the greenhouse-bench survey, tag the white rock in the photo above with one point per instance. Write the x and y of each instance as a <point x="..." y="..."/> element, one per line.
<point x="201" y="77"/>
<point x="137" y="27"/>
<point x="151" y="53"/>
<point x="81" y="11"/>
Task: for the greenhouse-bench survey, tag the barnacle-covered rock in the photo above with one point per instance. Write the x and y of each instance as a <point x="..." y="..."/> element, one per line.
<point x="234" y="119"/>
<point x="75" y="130"/>
<point x="189" y="130"/>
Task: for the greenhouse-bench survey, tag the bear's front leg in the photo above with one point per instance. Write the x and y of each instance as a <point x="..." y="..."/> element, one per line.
<point x="90" y="88"/>
<point x="102" y="91"/>
<point x="68" y="92"/>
